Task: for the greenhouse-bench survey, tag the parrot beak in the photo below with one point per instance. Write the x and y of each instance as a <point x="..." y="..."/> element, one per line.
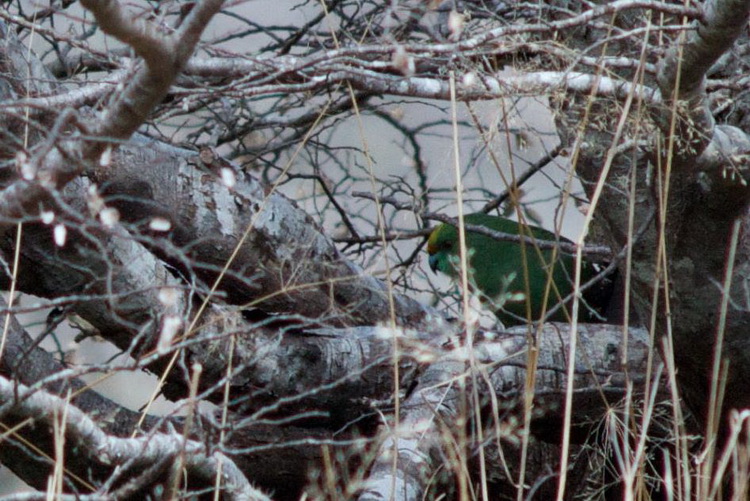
<point x="433" y="260"/>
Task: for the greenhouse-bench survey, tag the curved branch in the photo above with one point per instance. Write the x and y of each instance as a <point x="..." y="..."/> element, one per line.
<point x="682" y="76"/>
<point x="164" y="56"/>
<point x="112" y="451"/>
<point x="723" y="22"/>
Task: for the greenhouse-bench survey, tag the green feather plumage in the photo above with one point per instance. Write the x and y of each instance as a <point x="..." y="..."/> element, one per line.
<point x="497" y="268"/>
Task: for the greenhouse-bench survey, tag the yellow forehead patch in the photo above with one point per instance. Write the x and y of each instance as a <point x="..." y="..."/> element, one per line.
<point x="432" y="246"/>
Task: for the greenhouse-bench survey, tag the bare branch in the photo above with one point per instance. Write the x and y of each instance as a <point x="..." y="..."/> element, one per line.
<point x="150" y="83"/>
<point x="114" y="451"/>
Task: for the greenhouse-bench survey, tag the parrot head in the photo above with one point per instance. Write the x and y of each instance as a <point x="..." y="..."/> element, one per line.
<point x="442" y="247"/>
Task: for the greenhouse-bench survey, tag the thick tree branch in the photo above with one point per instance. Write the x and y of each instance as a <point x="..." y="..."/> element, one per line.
<point x="283" y="264"/>
<point x="433" y="408"/>
<point x="682" y="77"/>
<point x="723" y="21"/>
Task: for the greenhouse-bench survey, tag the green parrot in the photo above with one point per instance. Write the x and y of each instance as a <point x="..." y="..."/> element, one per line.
<point x="496" y="270"/>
